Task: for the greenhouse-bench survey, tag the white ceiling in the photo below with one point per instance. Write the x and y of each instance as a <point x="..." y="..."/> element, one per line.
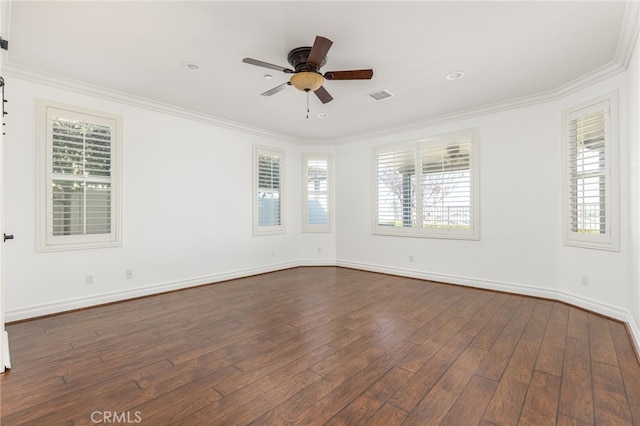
<point x="508" y="50"/>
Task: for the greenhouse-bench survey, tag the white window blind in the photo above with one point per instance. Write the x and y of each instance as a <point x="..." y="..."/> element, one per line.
<point x="317" y="192"/>
<point x="78" y="161"/>
<point x="268" y="194"/>
<point x="591" y="187"/>
<point x="396" y="170"/>
<point x="427" y="188"/>
<point x="446" y="185"/>
<point x="81" y="178"/>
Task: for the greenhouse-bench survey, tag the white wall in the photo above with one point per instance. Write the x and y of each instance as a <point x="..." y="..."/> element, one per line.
<point x="634" y="162"/>
<point x="187" y="206"/>
<point x="187" y="211"/>
<point x="520" y="248"/>
<point x="519" y="166"/>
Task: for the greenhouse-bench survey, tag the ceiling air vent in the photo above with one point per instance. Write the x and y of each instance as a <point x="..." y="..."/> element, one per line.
<point x="381" y="94"/>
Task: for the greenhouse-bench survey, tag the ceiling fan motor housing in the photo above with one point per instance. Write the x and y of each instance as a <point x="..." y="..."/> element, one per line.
<point x="298" y="60"/>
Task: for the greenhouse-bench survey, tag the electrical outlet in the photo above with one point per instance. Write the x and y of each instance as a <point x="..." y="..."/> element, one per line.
<point x="319" y="249"/>
<point x="91" y="279"/>
<point x="129" y="273"/>
<point x="585" y="280"/>
<point x="410" y="258"/>
<point x="273" y="253"/>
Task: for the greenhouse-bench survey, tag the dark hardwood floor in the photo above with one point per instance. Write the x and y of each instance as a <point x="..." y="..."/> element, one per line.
<point x="323" y="345"/>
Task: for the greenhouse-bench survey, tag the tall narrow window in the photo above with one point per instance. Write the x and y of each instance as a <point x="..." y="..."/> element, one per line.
<point x="591" y="177"/>
<point x="268" y="191"/>
<point x="428" y="188"/>
<point x="317" y="175"/>
<point x="79" y="183"/>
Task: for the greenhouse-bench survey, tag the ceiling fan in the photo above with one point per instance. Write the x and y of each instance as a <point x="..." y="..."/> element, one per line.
<point x="306" y="63"/>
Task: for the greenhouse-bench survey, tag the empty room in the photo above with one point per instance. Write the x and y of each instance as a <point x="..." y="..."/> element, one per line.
<point x="320" y="212"/>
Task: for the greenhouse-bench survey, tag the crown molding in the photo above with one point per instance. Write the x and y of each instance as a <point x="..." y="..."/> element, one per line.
<point x="628" y="33"/>
<point x="84" y="88"/>
<point x="593" y="77"/>
<point x="627" y="40"/>
<point x="606" y="71"/>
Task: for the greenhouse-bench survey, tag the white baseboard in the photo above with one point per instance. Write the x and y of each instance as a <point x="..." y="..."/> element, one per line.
<point x="634" y="330"/>
<point x="454" y="279"/>
<point x="547" y="293"/>
<point x="115" y="296"/>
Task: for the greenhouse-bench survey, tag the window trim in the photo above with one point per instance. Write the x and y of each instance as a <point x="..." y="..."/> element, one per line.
<point x="274" y="229"/>
<point x="610" y="240"/>
<point x="306" y="226"/>
<point x="421" y="232"/>
<point x="46" y="240"/>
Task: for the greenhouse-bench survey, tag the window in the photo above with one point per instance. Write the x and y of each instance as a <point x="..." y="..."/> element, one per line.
<point x="590" y="161"/>
<point x="268" y="191"/>
<point x="317" y="175"/>
<point x="428" y="188"/>
<point x="79" y="159"/>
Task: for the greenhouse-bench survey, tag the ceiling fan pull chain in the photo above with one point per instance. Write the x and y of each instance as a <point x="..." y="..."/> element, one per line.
<point x="307" y="104"/>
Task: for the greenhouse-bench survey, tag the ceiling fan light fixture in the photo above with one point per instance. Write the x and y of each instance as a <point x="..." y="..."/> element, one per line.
<point x="307" y="81"/>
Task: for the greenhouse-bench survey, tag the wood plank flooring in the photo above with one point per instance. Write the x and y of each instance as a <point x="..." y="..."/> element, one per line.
<point x="323" y="345"/>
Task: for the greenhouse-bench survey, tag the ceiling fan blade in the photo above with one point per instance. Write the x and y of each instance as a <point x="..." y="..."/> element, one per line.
<point x="323" y="95"/>
<point x="319" y="50"/>
<point x="276" y="89"/>
<point x="266" y="65"/>
<point x="349" y="75"/>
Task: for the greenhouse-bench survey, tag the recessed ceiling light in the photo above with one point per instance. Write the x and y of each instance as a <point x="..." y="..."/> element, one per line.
<point x="455" y="75"/>
<point x="268" y="76"/>
<point x="190" y="66"/>
<point x="323" y="115"/>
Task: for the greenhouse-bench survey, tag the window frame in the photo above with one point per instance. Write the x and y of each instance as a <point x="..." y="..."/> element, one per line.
<point x="46" y="240"/>
<point x="442" y="140"/>
<point x="268" y="229"/>
<point x="306" y="226"/>
<point x="610" y="239"/>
